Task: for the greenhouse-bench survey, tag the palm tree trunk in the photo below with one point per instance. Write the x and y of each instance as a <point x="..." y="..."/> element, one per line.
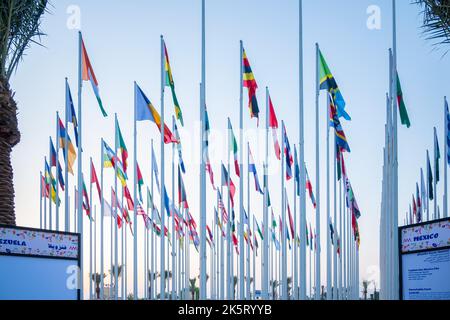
<point x="9" y="137"/>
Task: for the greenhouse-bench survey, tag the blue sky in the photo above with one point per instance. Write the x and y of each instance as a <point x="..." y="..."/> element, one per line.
<point x="122" y="40"/>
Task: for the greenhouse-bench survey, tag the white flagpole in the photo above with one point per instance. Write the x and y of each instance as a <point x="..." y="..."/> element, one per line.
<point x="317" y="265"/>
<point x="329" y="287"/>
<point x="66" y="170"/>
<point x="229" y="225"/>
<point x="45" y="198"/>
<point x="283" y="267"/>
<point x="248" y="222"/>
<point x="163" y="239"/>
<point x="126" y="256"/>
<point x="254" y="262"/>
<point x="241" y="180"/>
<point x="266" y="242"/>
<point x="335" y="224"/>
<point x="102" y="214"/>
<point x="174" y="272"/>
<point x="116" y="229"/>
<point x="341" y="295"/>
<point x="80" y="170"/>
<point x="436" y="169"/>
<point x="57" y="171"/>
<point x="294" y="241"/>
<point x="152" y="240"/>
<point x="146" y="258"/>
<point x="135" y="253"/>
<point x="123" y="259"/>
<point x="50" y="187"/>
<point x="202" y="164"/>
<point x="445" y="207"/>
<point x="40" y="199"/>
<point x="95" y="251"/>
<point x="90" y="234"/>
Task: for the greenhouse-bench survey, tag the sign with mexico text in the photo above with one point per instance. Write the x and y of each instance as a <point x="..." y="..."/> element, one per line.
<point x="32" y="242"/>
<point x="424" y="237"/>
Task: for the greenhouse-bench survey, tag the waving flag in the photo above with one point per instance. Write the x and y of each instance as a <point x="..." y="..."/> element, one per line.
<point x="232" y="188"/>
<point x="419" y="204"/>
<point x="430" y="179"/>
<point x="255" y="222"/>
<point x="332" y="233"/>
<point x="327" y="82"/>
<point x="414" y="207"/>
<point x="86" y="205"/>
<point x="252" y="168"/>
<point x="94" y="179"/>
<point x="182" y="199"/>
<point x="128" y="197"/>
<point x="310" y="189"/>
<point x="307" y="236"/>
<point x="404" y="118"/>
<point x="71" y="153"/>
<point x="210" y="235"/>
<point x="171" y="84"/>
<point x="222" y="208"/>
<point x="122" y="147"/>
<point x="146" y="111"/>
<point x="110" y="160"/>
<point x="291" y="220"/>
<point x="52" y="154"/>
<point x="233" y="147"/>
<point x="70" y="112"/>
<point x="89" y="75"/>
<point x="140" y="181"/>
<point x="273" y="123"/>
<point x="208" y="162"/>
<point x="155" y="169"/>
<point x="437" y="156"/>
<point x="340" y="138"/>
<point x="288" y="155"/>
<point x="296" y="171"/>
<point x="179" y="149"/>
<point x="250" y="84"/>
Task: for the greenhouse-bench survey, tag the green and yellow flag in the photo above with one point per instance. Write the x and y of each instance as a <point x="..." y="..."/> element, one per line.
<point x="171" y="84"/>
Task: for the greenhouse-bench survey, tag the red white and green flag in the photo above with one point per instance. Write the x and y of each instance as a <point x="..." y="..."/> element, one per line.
<point x="233" y="148"/>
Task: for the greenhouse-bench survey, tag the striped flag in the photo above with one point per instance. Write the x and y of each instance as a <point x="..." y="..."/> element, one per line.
<point x="249" y="82"/>
<point x="171" y="84"/>
<point x="222" y="208"/>
<point x="310" y="189"/>
<point x="94" y="179"/>
<point x="252" y="168"/>
<point x="179" y="149"/>
<point x="273" y="123"/>
<point x="288" y="155"/>
<point x="70" y="111"/>
<point x="71" y="153"/>
<point x="233" y="147"/>
<point x="232" y="188"/>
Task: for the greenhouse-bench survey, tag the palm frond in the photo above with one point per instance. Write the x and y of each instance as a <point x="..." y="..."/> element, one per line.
<point x="436" y="20"/>
<point x="20" y="22"/>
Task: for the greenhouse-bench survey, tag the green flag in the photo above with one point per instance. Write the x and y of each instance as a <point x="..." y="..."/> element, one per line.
<point x="404" y="118"/>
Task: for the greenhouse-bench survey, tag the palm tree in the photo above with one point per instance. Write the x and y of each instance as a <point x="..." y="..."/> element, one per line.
<point x="192" y="287"/>
<point x="151" y="275"/>
<point x="19" y="26"/>
<point x="436" y="20"/>
<point x="113" y="273"/>
<point x="289" y="286"/>
<point x="97" y="279"/>
<point x="365" y="284"/>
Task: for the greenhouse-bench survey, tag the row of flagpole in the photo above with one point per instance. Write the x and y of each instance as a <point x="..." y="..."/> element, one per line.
<point x="335" y="273"/>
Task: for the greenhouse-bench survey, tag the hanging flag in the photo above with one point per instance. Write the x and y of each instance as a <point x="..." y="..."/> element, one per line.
<point x="171" y="84"/>
<point x="146" y="111"/>
<point x="291" y="221"/>
<point x="180" y="154"/>
<point x="430" y="179"/>
<point x="340" y="138"/>
<point x="210" y="235"/>
<point x="155" y="169"/>
<point x="339" y="156"/>
<point x="70" y="111"/>
<point x="273" y="123"/>
<point x="60" y="177"/>
<point x="71" y="153"/>
<point x="255" y="222"/>
<point x="327" y="82"/>
<point x="52" y="154"/>
<point x="207" y="161"/>
<point x="128" y="197"/>
<point x="245" y="220"/>
<point x="307" y="236"/>
<point x="404" y="118"/>
<point x="288" y="155"/>
<point x="182" y="199"/>
<point x="122" y="148"/>
<point x="311" y="237"/>
<point x="437" y="156"/>
<point x="332" y="233"/>
<point x="233" y="147"/>
<point x="94" y="179"/>
<point x="296" y="172"/>
<point x="140" y="181"/>
<point x="110" y="160"/>
<point x="250" y="84"/>
<point x="419" y="204"/>
<point x="86" y="205"/>
<point x="310" y="189"/>
<point x="350" y="198"/>
<point x="252" y="168"/>
<point x="89" y="75"/>
<point x="221" y="206"/>
<point x="166" y="202"/>
<point x="232" y="188"/>
<point x="414" y="207"/>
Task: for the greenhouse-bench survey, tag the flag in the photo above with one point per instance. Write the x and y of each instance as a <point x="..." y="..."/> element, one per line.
<point x="311" y="237"/>
<point x="71" y="153"/>
<point x="273" y="123"/>
<point x="252" y="168"/>
<point x="94" y="179"/>
<point x="404" y="118"/>
<point x="340" y="138"/>
<point x="414" y="207"/>
<point x="122" y="147"/>
<point x="89" y="75"/>
<point x="210" y="235"/>
<point x="128" y="197"/>
<point x="86" y="205"/>
<point x="296" y="171"/>
<point x="207" y="161"/>
<point x="140" y="181"/>
<point x="310" y="189"/>
<point x="232" y="188"/>
<point x="338" y="160"/>
<point x="233" y="147"/>
<point x="307" y="236"/>
<point x="171" y="84"/>
<point x="419" y="204"/>
<point x="288" y="155"/>
<point x="155" y="169"/>
<point x="146" y="111"/>
<point x="447" y="131"/>
<point x="166" y="202"/>
<point x="182" y="199"/>
<point x="249" y="82"/>
<point x="332" y="233"/>
<point x="437" y="156"/>
<point x="52" y="154"/>
<point x="110" y="160"/>
<point x="291" y="221"/>
<point x="70" y="111"/>
<point x="60" y="177"/>
<point x="222" y="208"/>
<point x="258" y="228"/>
<point x="327" y="82"/>
<point x="245" y="220"/>
<point x="430" y="179"/>
<point x="180" y="154"/>
<point x="423" y="190"/>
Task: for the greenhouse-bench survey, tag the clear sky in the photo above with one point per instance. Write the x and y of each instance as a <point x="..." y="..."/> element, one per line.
<point x="122" y="39"/>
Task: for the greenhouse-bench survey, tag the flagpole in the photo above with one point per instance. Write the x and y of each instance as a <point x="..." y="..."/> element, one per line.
<point x="248" y="221"/>
<point x="123" y="259"/>
<point x="174" y="273"/>
<point x="40" y="200"/>
<point x="46" y="196"/>
<point x="428" y="188"/>
<point x="341" y="295"/>
<point x="50" y="186"/>
<point x="102" y="209"/>
<point x="317" y="266"/>
<point x="57" y="172"/>
<point x="436" y="170"/>
<point x="90" y="233"/>
<point x="80" y="157"/>
<point x="266" y="241"/>
<point x="283" y="267"/>
<point x="66" y="169"/>
<point x="446" y="157"/>
<point x="116" y="229"/>
<point x="152" y="240"/>
<point x="295" y="266"/>
<point x="254" y="261"/>
<point x="335" y="242"/>
<point x="135" y="253"/>
<point x="230" y="221"/>
<point x="329" y="288"/>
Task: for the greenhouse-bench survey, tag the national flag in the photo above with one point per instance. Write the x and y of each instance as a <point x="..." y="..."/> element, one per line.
<point x="258" y="228"/>
<point x="332" y="233"/>
<point x="311" y="237"/>
<point x="110" y="159"/>
<point x="296" y="172"/>
<point x="170" y="83"/>
<point x="430" y="179"/>
<point x="89" y="75"/>
<point x="44" y="188"/>
<point x="155" y="169"/>
<point x="340" y="138"/>
<point x="86" y="205"/>
<point x="227" y="179"/>
<point x="437" y="156"/>
<point x="179" y="149"/>
<point x="307" y="237"/>
<point x="350" y="198"/>
<point x="288" y="155"/>
<point x="207" y="161"/>
<point x="140" y="181"/>
<point x="245" y="220"/>
<point x="404" y="118"/>
<point x="52" y="154"/>
<point x="414" y="207"/>
<point x="221" y="207"/>
<point x="273" y="123"/>
<point x="339" y="156"/>
<point x="146" y="111"/>
<point x="166" y="202"/>
<point x="249" y="82"/>
<point x="210" y="235"/>
<point x="419" y="204"/>
<point x="252" y="168"/>
<point x="128" y="197"/>
<point x="233" y="147"/>
<point x="71" y="153"/>
<point x="291" y="220"/>
<point x="94" y="179"/>
<point x="70" y="112"/>
<point x="310" y="189"/>
<point x="122" y="147"/>
<point x="182" y="199"/>
<point x="327" y="82"/>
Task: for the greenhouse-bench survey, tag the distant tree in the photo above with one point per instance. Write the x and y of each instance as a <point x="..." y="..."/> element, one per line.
<point x="436" y="20"/>
<point x="97" y="279"/>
